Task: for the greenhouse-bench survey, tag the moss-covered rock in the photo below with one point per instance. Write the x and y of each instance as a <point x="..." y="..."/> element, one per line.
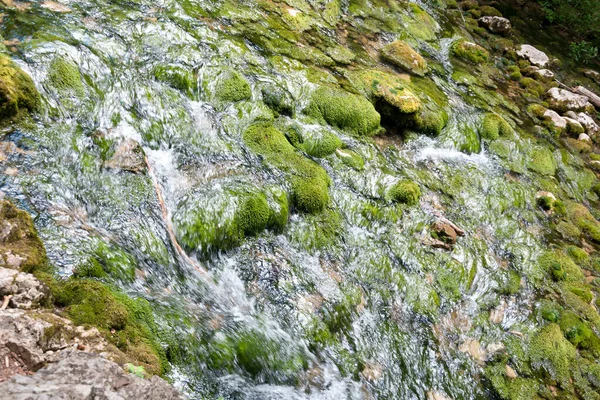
<point x="494" y="126"/>
<point x="64" y="76"/>
<point x="351" y="159"/>
<point x="278" y="99"/>
<point x="17" y="91"/>
<point x="350" y="112"/>
<point x="552" y="354"/>
<point x="405" y="191"/>
<point x="177" y="77"/>
<point x="470" y="51"/>
<point x="219" y="216"/>
<point x="584" y="220"/>
<point x="230" y="87"/>
<point x="320" y="142"/>
<point x="402" y="55"/>
<point x="20" y="246"/>
<point x="488" y="11"/>
<point x="541" y="160"/>
<point x="309" y="181"/>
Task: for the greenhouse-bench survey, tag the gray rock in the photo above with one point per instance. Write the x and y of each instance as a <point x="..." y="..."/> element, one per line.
<point x="129" y="156"/>
<point x="535" y="56"/>
<point x="544" y="75"/>
<point x="562" y="100"/>
<point x="25" y="289"/>
<point x="81" y="375"/>
<point x="591" y="127"/>
<point x="22" y="336"/>
<point x="573" y="126"/>
<point x="498" y="25"/>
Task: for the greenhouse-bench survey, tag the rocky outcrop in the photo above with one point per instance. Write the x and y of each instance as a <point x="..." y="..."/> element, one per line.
<point x="21" y="289"/>
<point x="562" y="100"/>
<point x="556" y="120"/>
<point x="81" y="375"/>
<point x="533" y="55"/>
<point x="498" y="25"/>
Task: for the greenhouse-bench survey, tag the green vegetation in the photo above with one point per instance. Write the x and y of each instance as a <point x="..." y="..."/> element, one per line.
<point x="309" y="181"/>
<point x="65" y="77"/>
<point x="232" y="87"/>
<point x="551" y="353"/>
<point x="17" y="91"/>
<point x="470" y="51"/>
<point x="344" y="110"/>
<point x="177" y="77"/>
<point x="542" y="161"/>
<point x="494" y="126"/>
<point x="405" y="191"/>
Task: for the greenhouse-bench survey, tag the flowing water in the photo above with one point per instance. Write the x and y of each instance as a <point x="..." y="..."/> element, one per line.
<point x="397" y="310"/>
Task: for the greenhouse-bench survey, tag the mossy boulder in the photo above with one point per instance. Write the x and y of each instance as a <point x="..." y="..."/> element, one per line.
<point x="404" y="191"/>
<point x="225" y="85"/>
<point x="351" y="159"/>
<point x="309" y="181"/>
<point x="64" y="76"/>
<point x="347" y="111"/>
<point x="219" y="216"/>
<point x="584" y="220"/>
<point x="320" y="142"/>
<point x="390" y="93"/>
<point x="278" y="99"/>
<point x="20" y="246"/>
<point x="17" y="91"/>
<point x="541" y="160"/>
<point x="405" y="57"/>
<point x="494" y="126"/>
<point x="470" y="51"/>
<point x="488" y="11"/>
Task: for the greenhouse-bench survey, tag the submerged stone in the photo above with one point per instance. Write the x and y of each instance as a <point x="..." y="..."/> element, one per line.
<point x="402" y="55"/>
<point x="65" y="77"/>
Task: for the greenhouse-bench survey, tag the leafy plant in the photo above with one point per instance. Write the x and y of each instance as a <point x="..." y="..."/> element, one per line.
<point x="583" y="51"/>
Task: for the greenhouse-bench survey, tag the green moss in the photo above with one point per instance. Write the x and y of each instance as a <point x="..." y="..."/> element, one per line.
<point x="541" y="160"/>
<point x="308" y="180"/>
<point x="511" y="388"/>
<point x="65" y="76"/>
<point x="407" y="192"/>
<point x="558" y="265"/>
<point x="346" y="111"/>
<point x="320" y="142"/>
<point x="537" y="110"/>
<point x="388" y="92"/>
<point x="532" y="86"/>
<point x="581" y="216"/>
<point x="351" y="159"/>
<point x="470" y="51"/>
<point x="177" y="77"/>
<point x="489" y="11"/>
<point x="279" y="209"/>
<point x="578" y="255"/>
<point x="17" y="91"/>
<point x="232" y="87"/>
<point x="494" y="126"/>
<point x="551" y="353"/>
<point x="402" y="55"/>
<point x="253" y="214"/>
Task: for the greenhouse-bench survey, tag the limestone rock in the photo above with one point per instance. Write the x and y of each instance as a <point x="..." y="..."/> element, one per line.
<point x="573" y="126"/>
<point x="584" y="137"/>
<point x="591" y="127"/>
<point x="555" y="119"/>
<point x="25" y="289"/>
<point x="544" y="75"/>
<point x="444" y="233"/>
<point x="433" y="395"/>
<point x="81" y="375"/>
<point x="473" y="348"/>
<point x="498" y="25"/>
<point x="129" y="156"/>
<point x="510" y="372"/>
<point x="562" y="100"/>
<point x="535" y="56"/>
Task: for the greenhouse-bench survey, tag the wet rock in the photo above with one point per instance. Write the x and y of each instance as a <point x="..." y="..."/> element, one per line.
<point x="25" y="290"/>
<point x="405" y="57"/>
<point x="510" y="372"/>
<point x="129" y="156"/>
<point x="497" y="314"/>
<point x="434" y="395"/>
<point x="444" y="233"/>
<point x="17" y="90"/>
<point x="498" y="25"/>
<point x="473" y="348"/>
<point x="81" y="375"/>
<point x="494" y="349"/>
<point x="533" y="55"/>
<point x="555" y="119"/>
<point x="372" y="372"/>
<point x="562" y="100"/>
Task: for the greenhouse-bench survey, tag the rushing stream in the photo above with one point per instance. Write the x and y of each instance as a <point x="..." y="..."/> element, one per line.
<point x="399" y="312"/>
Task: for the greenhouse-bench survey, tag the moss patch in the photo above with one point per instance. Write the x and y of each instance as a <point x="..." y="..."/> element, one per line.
<point x="17" y="91"/>
<point x="407" y="192"/>
<point x="494" y="126"/>
<point x="65" y="76"/>
<point x="402" y="55"/>
<point x="470" y="51"/>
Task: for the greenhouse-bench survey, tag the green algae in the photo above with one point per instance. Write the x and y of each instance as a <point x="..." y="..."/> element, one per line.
<point x="402" y="55"/>
<point x="551" y="353"/>
<point x="65" y="77"/>
<point x="177" y="77"/>
<point x="542" y="161"/>
<point x="494" y="126"/>
<point x="404" y="191"/>
<point x="470" y="51"/>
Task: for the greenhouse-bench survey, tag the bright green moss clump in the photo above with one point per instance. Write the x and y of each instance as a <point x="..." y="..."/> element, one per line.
<point x="17" y="91"/>
<point x="542" y="161"/>
<point x="344" y="110"/>
<point x="494" y="126"/>
<point x="65" y="77"/>
<point x="470" y="51"/>
<point x="320" y="142"/>
<point x="402" y="55"/>
<point x="407" y="192"/>
<point x="232" y="87"/>
<point x="583" y="219"/>
<point x="310" y="182"/>
<point x="551" y="353"/>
